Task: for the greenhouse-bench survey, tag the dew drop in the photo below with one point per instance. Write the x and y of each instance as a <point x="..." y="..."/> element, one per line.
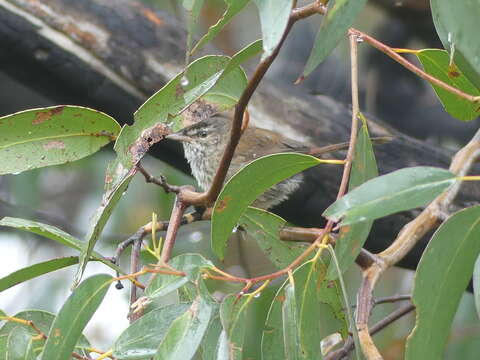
<point x="449" y="37"/>
<point x="359" y="39"/>
<point x="257" y="295"/>
<point x="184" y="81"/>
<point x="16" y="173"/>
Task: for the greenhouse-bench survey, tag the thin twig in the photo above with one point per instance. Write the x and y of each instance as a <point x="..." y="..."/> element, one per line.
<point x="407" y="64"/>
<point x="389" y="319"/>
<point x="175" y="220"/>
<point x="135" y="267"/>
<point x="160" y="181"/>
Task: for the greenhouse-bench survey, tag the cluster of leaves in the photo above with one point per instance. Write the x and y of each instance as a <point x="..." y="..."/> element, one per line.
<point x="199" y="324"/>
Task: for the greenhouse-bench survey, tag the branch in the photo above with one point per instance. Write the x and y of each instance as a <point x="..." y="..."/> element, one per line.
<point x="402" y="61"/>
<point x="410" y="234"/>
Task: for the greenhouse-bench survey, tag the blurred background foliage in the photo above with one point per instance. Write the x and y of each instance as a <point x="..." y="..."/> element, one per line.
<point x="67" y="195"/>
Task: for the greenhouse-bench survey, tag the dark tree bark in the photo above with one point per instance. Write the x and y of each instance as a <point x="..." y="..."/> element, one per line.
<point x="111" y="55"/>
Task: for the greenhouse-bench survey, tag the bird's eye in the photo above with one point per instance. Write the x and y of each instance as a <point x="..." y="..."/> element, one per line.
<point x="203" y="134"/>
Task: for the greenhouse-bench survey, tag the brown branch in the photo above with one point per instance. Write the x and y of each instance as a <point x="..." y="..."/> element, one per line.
<point x="135" y="267"/>
<point x="407" y="64"/>
<point x="160" y="181"/>
<point x="314" y="8"/>
<point x="175" y="220"/>
<point x="389" y="319"/>
<point x="406" y="240"/>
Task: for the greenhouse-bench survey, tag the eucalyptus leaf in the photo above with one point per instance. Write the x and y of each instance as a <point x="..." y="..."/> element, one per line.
<point x="140" y="340"/>
<point x="274" y="17"/>
<point x="74" y="315"/>
<point x="54" y="135"/>
<point x="456" y="22"/>
<point x="351" y="239"/>
<point x="265" y="228"/>
<point x="437" y="63"/>
<point x="186" y="332"/>
<point x="190" y="264"/>
<point x="55" y="234"/>
<point x="441" y="278"/>
<point x="233" y="8"/>
<point x="257" y="177"/>
<point x="340" y="16"/>
<point x="397" y="191"/>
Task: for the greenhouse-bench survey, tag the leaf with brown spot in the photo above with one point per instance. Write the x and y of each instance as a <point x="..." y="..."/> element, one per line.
<point x="28" y="138"/>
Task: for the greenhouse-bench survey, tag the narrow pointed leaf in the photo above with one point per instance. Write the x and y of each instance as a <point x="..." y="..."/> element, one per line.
<point x="272" y="336"/>
<point x="211" y="341"/>
<point x="437" y="63"/>
<point x="257" y="176"/>
<point x="290" y="324"/>
<point x="141" y="339"/>
<point x="186" y="332"/>
<point x="384" y="195"/>
<point x="56" y="234"/>
<point x="33" y="271"/>
<point x="340" y="16"/>
<point x="74" y="316"/>
<point x="233" y="314"/>
<point x="193" y="8"/>
<point x="233" y="8"/>
<point x="43" y="321"/>
<point x="441" y="278"/>
<point x="454" y="21"/>
<point x="265" y="228"/>
<point x="49" y="136"/>
<point x="274" y="16"/>
<point x="353" y="237"/>
<point x="19" y="345"/>
<point x="191" y="264"/>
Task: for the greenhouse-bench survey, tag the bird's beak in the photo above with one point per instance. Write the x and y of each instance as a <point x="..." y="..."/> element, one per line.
<point x="178" y="136"/>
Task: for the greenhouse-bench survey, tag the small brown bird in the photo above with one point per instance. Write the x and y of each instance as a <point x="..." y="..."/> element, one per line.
<point x="205" y="141"/>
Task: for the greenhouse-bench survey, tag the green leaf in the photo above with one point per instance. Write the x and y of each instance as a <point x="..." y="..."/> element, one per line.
<point x="290" y="323"/>
<point x="265" y="227"/>
<point x="340" y="16"/>
<point x="42" y="320"/>
<point x="274" y="16"/>
<point x="353" y="237"/>
<point x="140" y="340"/>
<point x="211" y="340"/>
<point x="54" y="233"/>
<point x="19" y="345"/>
<point x="36" y="270"/>
<point x="233" y="8"/>
<point x="437" y="63"/>
<point x="190" y="264"/>
<point x="272" y="336"/>
<point x="476" y="285"/>
<point x="441" y="278"/>
<point x="384" y="195"/>
<point x="74" y="316"/>
<point x="257" y="176"/>
<point x="49" y="136"/>
<point x="455" y="22"/>
<point x="233" y="314"/>
<point x="311" y="324"/>
<point x="193" y="8"/>
<point x="186" y="332"/>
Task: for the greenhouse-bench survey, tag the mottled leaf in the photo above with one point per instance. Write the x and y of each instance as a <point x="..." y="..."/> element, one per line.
<point x="437" y="63"/>
<point x="49" y="136"/>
